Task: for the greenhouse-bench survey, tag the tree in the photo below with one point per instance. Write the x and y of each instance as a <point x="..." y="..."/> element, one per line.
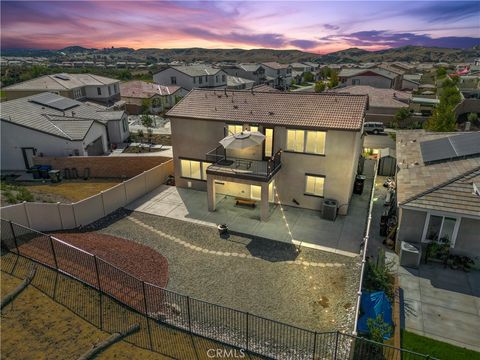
<point x="308" y="76"/>
<point x="125" y="75"/>
<point x="401" y="117"/>
<point x="472" y="117"/>
<point x="147" y="120"/>
<point x="333" y="80"/>
<point x="146" y="106"/>
<point x="325" y="73"/>
<point x="441" y="72"/>
<point x="319" y="86"/>
<point x="443" y="117"/>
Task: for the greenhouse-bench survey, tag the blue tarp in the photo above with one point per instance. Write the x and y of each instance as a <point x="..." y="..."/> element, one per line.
<point x="372" y="304"/>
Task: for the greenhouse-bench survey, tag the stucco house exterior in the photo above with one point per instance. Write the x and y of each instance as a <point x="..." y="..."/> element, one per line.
<point x="255" y="72"/>
<point x="160" y="97"/>
<point x="47" y="124"/>
<point x="437" y="191"/>
<point x="280" y="75"/>
<point x="192" y="76"/>
<point x="74" y="86"/>
<point x="375" y="77"/>
<point x="238" y="83"/>
<point x="311" y="149"/>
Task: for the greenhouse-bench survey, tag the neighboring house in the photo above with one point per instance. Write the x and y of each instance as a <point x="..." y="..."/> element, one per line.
<point x="238" y="83"/>
<point x="411" y="81"/>
<point x="300" y="154"/>
<point x="159" y="97"/>
<point x="382" y="104"/>
<point x="302" y="67"/>
<point x="255" y="72"/>
<point x="376" y="77"/>
<point x="74" y="86"/>
<point x="51" y="125"/>
<point x="192" y="76"/>
<point x="279" y="74"/>
<point x="438" y="191"/>
<point x="405" y="67"/>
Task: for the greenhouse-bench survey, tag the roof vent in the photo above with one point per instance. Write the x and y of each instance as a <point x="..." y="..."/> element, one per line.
<point x="215" y="108"/>
<point x="271" y="113"/>
<point x="235" y="106"/>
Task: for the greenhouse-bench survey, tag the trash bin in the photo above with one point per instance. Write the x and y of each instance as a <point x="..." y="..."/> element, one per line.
<point x="54" y="175"/>
<point x="359" y="183"/>
<point x="44" y="169"/>
<point x="35" y="170"/>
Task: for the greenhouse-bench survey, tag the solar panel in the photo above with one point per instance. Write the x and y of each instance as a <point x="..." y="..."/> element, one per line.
<point x="54" y="101"/>
<point x="450" y="147"/>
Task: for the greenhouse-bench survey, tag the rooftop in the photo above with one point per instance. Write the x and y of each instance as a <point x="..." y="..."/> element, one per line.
<point x="73" y="123"/>
<point x="415" y="178"/>
<point x="378" y="97"/>
<point x="235" y="81"/>
<point x="59" y="82"/>
<point x="326" y="110"/>
<point x="355" y="72"/>
<point x="143" y="89"/>
<point x="197" y="70"/>
<point x="275" y="65"/>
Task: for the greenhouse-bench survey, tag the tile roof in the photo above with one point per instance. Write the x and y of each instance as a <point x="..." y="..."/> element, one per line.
<point x="235" y="80"/>
<point x="250" y="67"/>
<point x="143" y="89"/>
<point x="328" y="111"/>
<point x="356" y="72"/>
<point x="24" y="112"/>
<point x="196" y="70"/>
<point x="388" y="98"/>
<point x="275" y="65"/>
<point x="413" y="176"/>
<point x="455" y="195"/>
<point x="59" y="82"/>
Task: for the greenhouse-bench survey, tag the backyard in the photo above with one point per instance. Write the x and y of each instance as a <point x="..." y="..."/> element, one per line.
<point x="311" y="289"/>
<point x="67" y="191"/>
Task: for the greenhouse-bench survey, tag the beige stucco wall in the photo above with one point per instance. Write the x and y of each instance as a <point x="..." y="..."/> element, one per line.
<point x="468" y="241"/>
<point x="192" y="139"/>
<point x="411" y="226"/>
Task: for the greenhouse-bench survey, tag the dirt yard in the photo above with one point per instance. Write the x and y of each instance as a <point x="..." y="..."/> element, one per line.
<point x="36" y="327"/>
<point x="67" y="191"/>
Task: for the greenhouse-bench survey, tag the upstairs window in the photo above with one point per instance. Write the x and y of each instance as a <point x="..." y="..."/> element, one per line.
<point x="306" y="141"/>
<point x="173" y="80"/>
<point x="99" y="91"/>
<point x="224" y="78"/>
<point x="200" y="79"/>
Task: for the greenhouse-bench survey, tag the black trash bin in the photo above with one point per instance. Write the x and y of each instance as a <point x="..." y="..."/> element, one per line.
<point x="359" y="183"/>
<point x="44" y="169"/>
<point x="35" y="170"/>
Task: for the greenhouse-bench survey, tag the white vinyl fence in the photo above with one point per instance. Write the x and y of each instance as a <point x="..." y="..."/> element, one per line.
<point x="49" y="217"/>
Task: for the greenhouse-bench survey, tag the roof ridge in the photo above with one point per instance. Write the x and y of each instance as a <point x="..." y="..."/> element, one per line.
<point x="52" y="122"/>
<point x="439" y="186"/>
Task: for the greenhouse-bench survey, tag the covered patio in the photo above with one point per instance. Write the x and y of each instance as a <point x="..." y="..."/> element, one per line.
<point x="342" y="236"/>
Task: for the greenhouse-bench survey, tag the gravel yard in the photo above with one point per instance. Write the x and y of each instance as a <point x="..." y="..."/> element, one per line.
<point x="313" y="289"/>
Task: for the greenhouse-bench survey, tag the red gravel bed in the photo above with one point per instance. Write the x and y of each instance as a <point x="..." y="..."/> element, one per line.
<point x="135" y="259"/>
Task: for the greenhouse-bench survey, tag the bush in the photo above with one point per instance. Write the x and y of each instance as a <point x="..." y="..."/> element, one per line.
<point x="379" y="277"/>
<point x="378" y="329"/>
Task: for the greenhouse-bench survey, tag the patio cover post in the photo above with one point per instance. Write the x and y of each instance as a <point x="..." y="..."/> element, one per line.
<point x="264" y="213"/>
<point x="211" y="192"/>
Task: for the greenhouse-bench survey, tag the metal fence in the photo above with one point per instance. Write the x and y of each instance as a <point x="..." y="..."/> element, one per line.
<point x="154" y="307"/>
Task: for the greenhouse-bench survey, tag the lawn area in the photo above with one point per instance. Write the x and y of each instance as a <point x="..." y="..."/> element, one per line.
<point x="67" y="191"/>
<point x="438" y="349"/>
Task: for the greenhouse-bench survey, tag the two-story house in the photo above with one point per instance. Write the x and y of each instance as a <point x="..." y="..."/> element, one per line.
<point x="255" y="72"/>
<point x="375" y="77"/>
<point x="80" y="87"/>
<point x="310" y="151"/>
<point x="192" y="76"/>
<point x="279" y="74"/>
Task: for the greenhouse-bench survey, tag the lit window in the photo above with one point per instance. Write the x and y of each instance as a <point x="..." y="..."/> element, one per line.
<point x="268" y="142"/>
<point x="234" y="129"/>
<point x="295" y="140"/>
<point x="253" y="128"/>
<point x="314" y="185"/>
<point x="312" y="142"/>
<point x="194" y="169"/>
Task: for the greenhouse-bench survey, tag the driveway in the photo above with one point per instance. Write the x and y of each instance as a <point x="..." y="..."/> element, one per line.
<point x="442" y="304"/>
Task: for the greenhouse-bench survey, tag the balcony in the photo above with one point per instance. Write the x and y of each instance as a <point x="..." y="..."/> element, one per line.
<point x="242" y="168"/>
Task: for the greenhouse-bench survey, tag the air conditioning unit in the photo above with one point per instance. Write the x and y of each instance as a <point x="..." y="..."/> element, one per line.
<point x="410" y="255"/>
<point x="329" y="209"/>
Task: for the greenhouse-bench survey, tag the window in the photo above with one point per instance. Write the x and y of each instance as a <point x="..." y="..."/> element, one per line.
<point x="268" y="143"/>
<point x="255" y="192"/>
<point x="312" y="142"/>
<point x="314" y="185"/>
<point x="194" y="169"/>
<point x="125" y="124"/>
<point x="224" y="78"/>
<point x="234" y="129"/>
<point x="173" y="80"/>
<point x="355" y="81"/>
<point x="206" y="78"/>
<point x="441" y="229"/>
<point x="200" y="79"/>
<point x="109" y="91"/>
<point x="253" y="128"/>
<point x="194" y="80"/>
<point x="216" y="78"/>
<point x="99" y="91"/>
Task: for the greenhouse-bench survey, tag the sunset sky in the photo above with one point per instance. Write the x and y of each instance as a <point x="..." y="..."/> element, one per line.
<point x="318" y="26"/>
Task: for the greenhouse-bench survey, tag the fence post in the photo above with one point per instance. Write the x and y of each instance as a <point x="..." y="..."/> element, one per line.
<point x="14" y="237"/>
<point x="188" y="313"/>
<point x="336" y="347"/>
<point x="99" y="291"/>
<point x="53" y="252"/>
<point x="146" y="314"/>
<point x="246" y="330"/>
<point x="314" y="344"/>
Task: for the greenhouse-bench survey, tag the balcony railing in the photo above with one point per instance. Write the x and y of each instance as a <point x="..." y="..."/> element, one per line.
<point x="242" y="168"/>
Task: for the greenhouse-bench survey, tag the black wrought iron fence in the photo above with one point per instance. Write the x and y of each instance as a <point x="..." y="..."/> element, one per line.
<point x="156" y="308"/>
